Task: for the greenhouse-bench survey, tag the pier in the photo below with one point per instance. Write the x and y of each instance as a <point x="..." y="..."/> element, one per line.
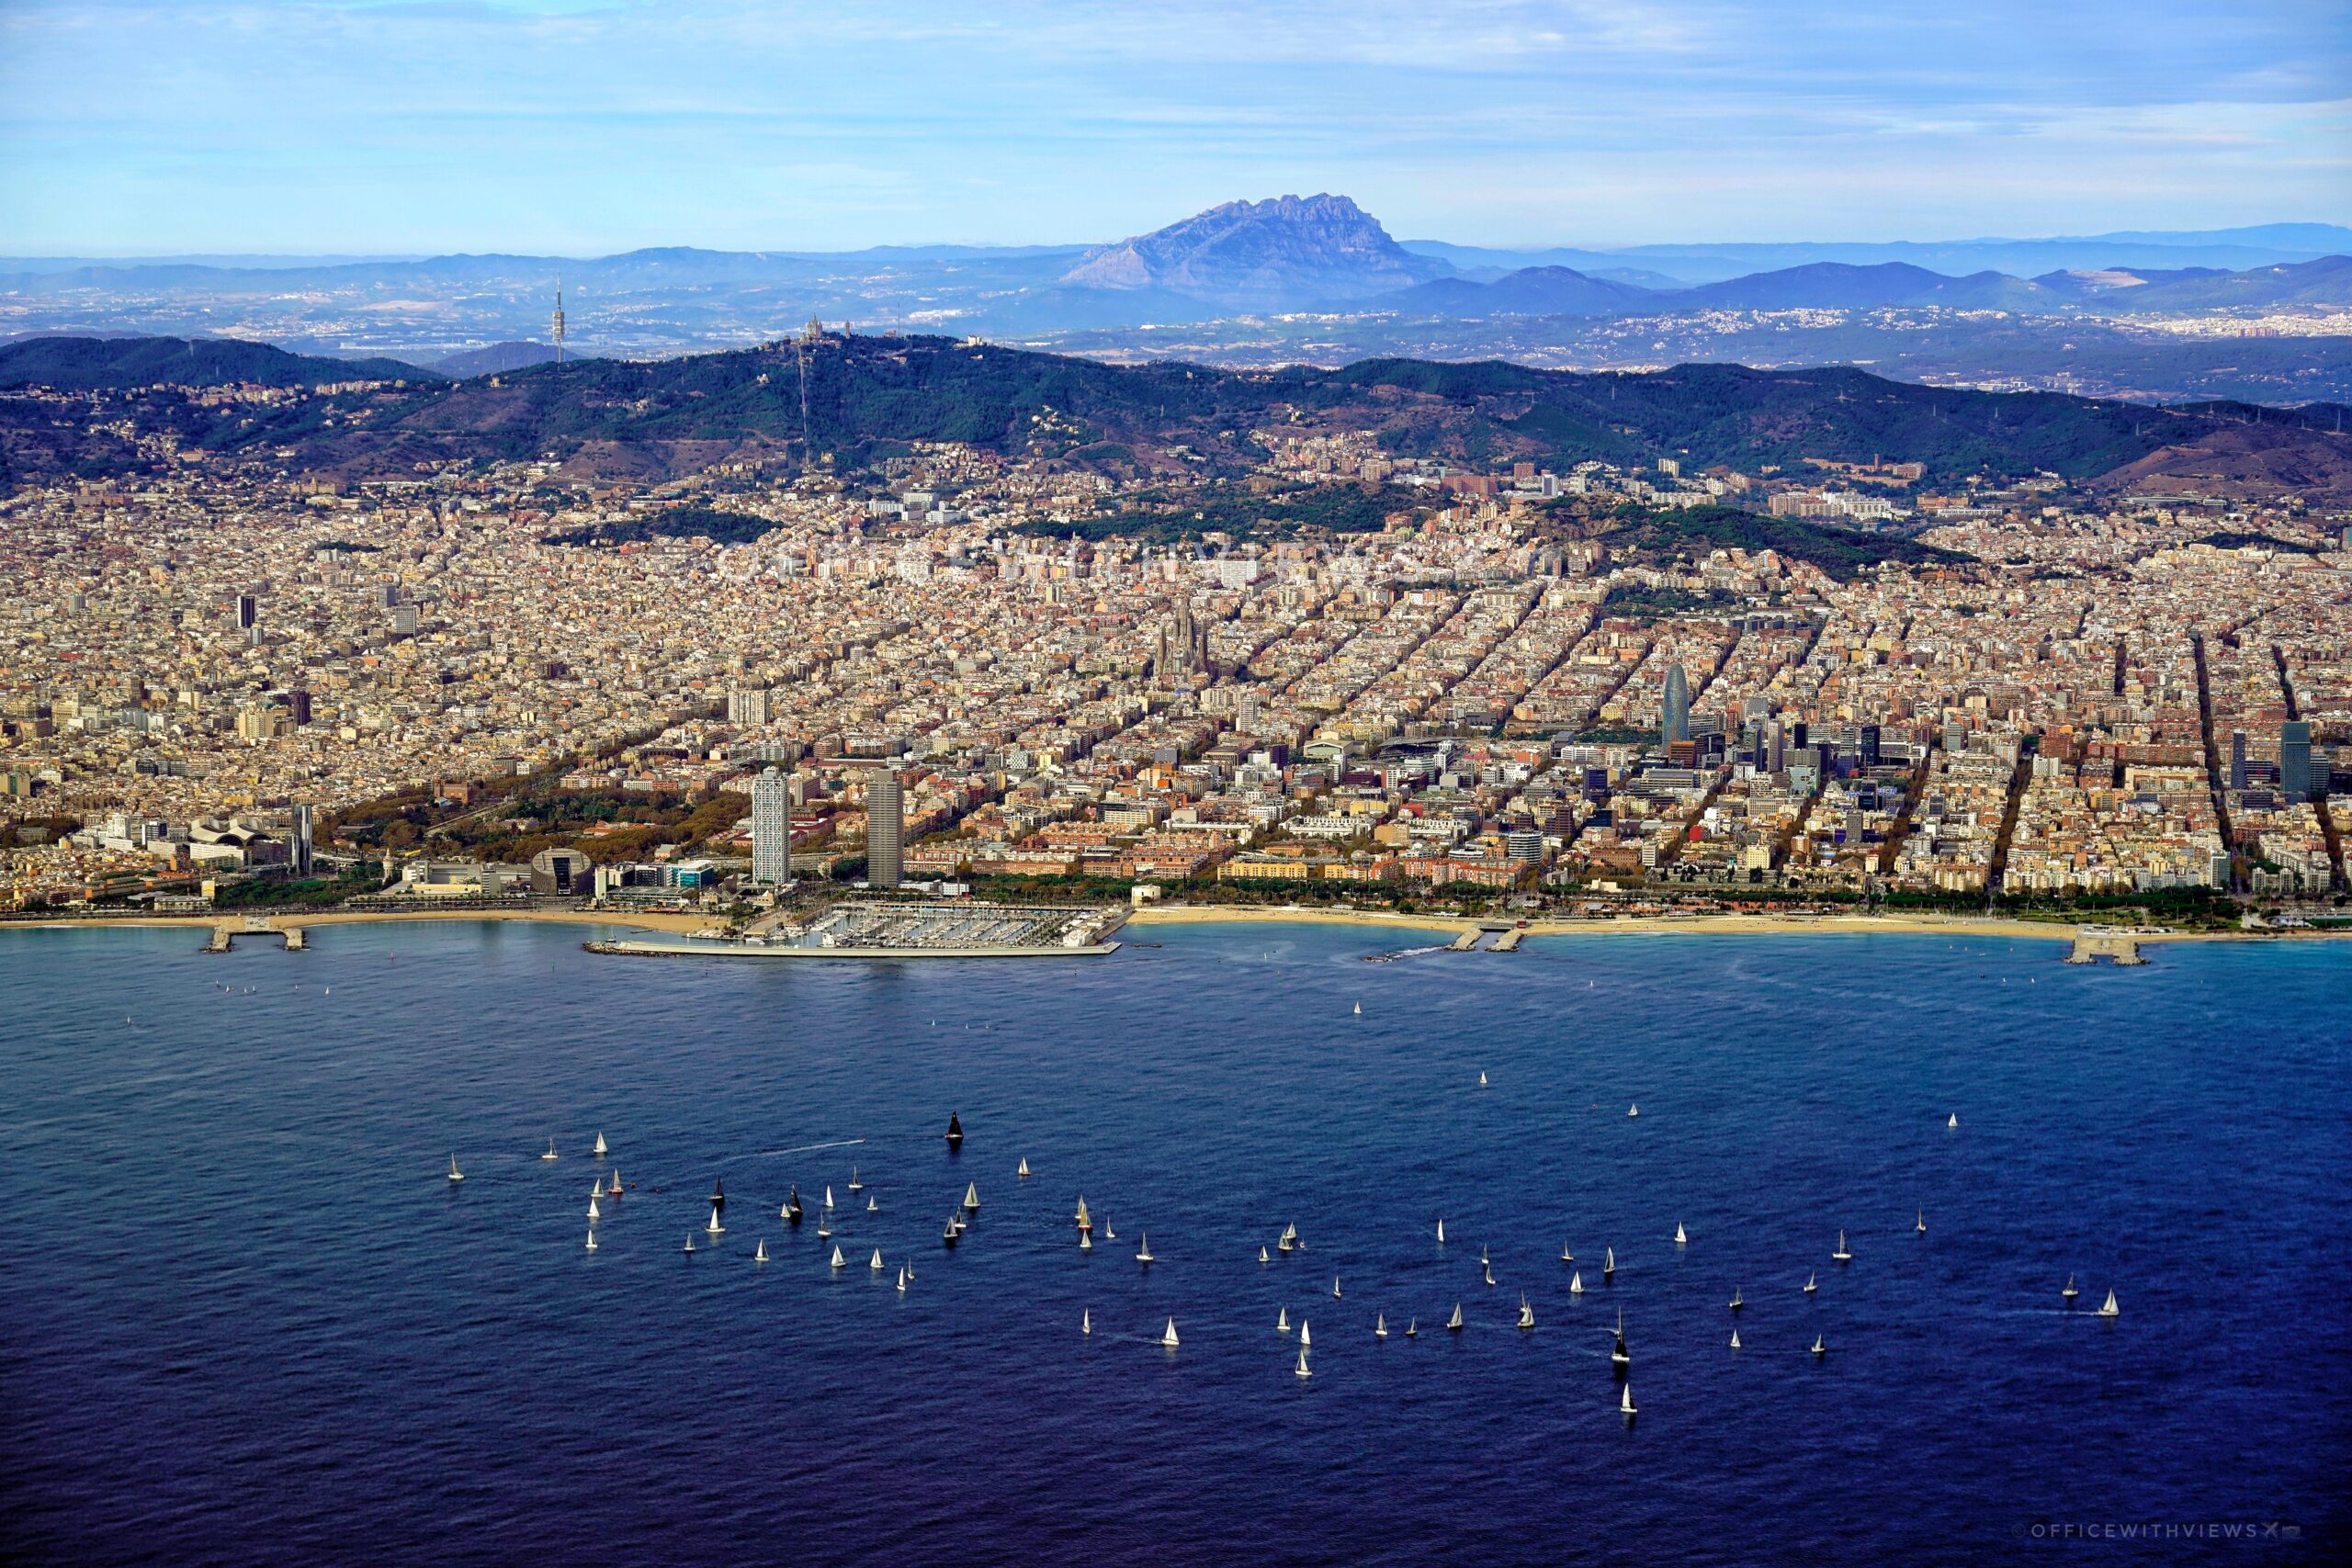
<point x="223" y="936"/>
<point x="1509" y="942"/>
<point x="2095" y="942"/>
<point x="1463" y="942"/>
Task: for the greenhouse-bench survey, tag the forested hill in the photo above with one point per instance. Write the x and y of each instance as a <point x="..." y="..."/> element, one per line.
<point x="848" y="400"/>
<point x="111" y="364"/>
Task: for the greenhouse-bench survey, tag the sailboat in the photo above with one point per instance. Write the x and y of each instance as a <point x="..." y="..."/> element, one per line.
<point x="1168" y="1338"/>
<point x="903" y="1279"/>
<point x="839" y="1261"/>
<point x="1491" y="1274"/>
<point x="1281" y="1321"/>
<point x="872" y="1207"/>
<point x="955" y="1130"/>
<point x="825" y="1225"/>
<point x="760" y="1254"/>
<point x="1819" y="1348"/>
<point x="1085" y="1221"/>
<point x="1923" y="1222"/>
<point x="718" y="1193"/>
<point x="690" y="1241"/>
<point x="601" y="1149"/>
<point x="1526" y="1313"/>
<point x="1085" y="1239"/>
<point x="1679" y="1238"/>
<point x="1335" y="1287"/>
<point x="715" y="1228"/>
<point x="1954" y="1120"/>
<point x="2110" y="1309"/>
<point x="1380" y="1326"/>
<point x="792" y="1206"/>
<point x="550" y="1154"/>
<point x="1453" y="1324"/>
<point x="1302" y="1365"/>
<point x="947" y="1236"/>
<point x="1841" y="1254"/>
<point x="1633" y="1110"/>
<point x="591" y="1238"/>
<point x="1262" y="1257"/>
<point x="877" y="1264"/>
<point x="593" y="1215"/>
<point x="854" y="1184"/>
<point x="1735" y="1302"/>
<point x="1306" y="1336"/>
<point x="1608" y="1262"/>
<point x="614" y="1190"/>
<point x="829" y="1195"/>
<point x="1024" y="1172"/>
<point x="1109" y="1232"/>
<point x="1441" y="1232"/>
<point x="455" y="1174"/>
<point x="1287" y="1240"/>
<point x="1567" y="1256"/>
<point x="1143" y="1253"/>
<point x="1413" y="1328"/>
<point x="1086" y="1322"/>
<point x="1576" y="1284"/>
<point x="1812" y="1283"/>
<point x="2070" y="1292"/>
<point x="1625" y="1399"/>
<point x="1481" y="1081"/>
<point x="1618" y="1355"/>
<point x="1735" y="1338"/>
<point x="1358" y="1010"/>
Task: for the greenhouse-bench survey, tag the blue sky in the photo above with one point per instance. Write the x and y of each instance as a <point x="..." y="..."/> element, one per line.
<point x="417" y="126"/>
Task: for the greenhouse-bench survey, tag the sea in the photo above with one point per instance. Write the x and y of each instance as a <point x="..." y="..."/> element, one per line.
<point x="246" y="1318"/>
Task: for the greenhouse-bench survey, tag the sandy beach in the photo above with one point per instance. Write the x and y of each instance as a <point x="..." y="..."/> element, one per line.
<point x="1688" y="925"/>
<point x="235" y="919"/>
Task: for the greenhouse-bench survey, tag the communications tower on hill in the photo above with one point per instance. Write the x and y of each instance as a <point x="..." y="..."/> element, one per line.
<point x="555" y="325"/>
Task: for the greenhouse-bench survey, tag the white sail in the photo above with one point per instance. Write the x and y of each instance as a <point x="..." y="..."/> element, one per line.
<point x="1633" y="1110"/>
<point x="877" y="1264"/>
<point x="872" y="1207"/>
<point x="1954" y="1120"/>
<point x="1262" y="1257"/>
<point x="601" y="1149"/>
<point x="1441" y="1230"/>
<point x="1526" y="1313"/>
<point x="1455" y="1321"/>
<point x="690" y="1241"/>
<point x="1380" y="1326"/>
<point x="715" y="1228"/>
<point x="616" y="1189"/>
<point x="839" y="1261"/>
<point x="1626" y="1398"/>
<point x="854" y="1184"/>
<point x="1679" y="1238"/>
<point x="1812" y="1282"/>
<point x="1168" y="1338"/>
<point x="1567" y="1256"/>
<point x="760" y="1256"/>
<point x="1086" y="1322"/>
<point x="2110" y="1309"/>
<point x="1358" y="1010"/>
<point x="1302" y="1365"/>
<point x="1735" y="1338"/>
<point x="1024" y="1172"/>
<point x="1086" y="1241"/>
<point x="828" y="1196"/>
<point x="1304" y="1337"/>
<point x="1609" y="1260"/>
<point x="1281" y="1321"/>
<point x="1923" y="1222"/>
<point x="1819" y="1348"/>
<point x="1481" y="1081"/>
<point x="1143" y="1253"/>
<point x="591" y="1241"/>
<point x="972" y="1195"/>
<point x="455" y="1174"/>
<point x="1335" y="1287"/>
<point x="550" y="1154"/>
<point x="903" y="1279"/>
<point x="1576" y="1284"/>
<point x="593" y="1215"/>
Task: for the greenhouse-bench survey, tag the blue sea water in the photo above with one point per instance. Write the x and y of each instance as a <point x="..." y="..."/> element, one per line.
<point x="244" y="1319"/>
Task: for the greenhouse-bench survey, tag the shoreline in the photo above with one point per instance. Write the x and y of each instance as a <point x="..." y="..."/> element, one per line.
<point x="1449" y="926"/>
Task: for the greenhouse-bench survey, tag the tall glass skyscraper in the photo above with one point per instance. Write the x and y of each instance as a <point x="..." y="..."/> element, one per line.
<point x="1678" y="707"/>
<point x="771" y="828"/>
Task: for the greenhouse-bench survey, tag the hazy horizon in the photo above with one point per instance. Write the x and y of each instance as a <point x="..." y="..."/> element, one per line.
<point x="592" y="127"/>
